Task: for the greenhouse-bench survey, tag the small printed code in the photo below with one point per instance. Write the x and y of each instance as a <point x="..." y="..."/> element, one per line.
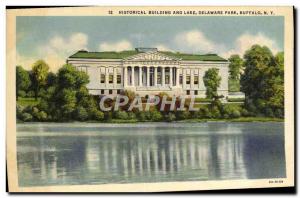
<point x="275" y="181"/>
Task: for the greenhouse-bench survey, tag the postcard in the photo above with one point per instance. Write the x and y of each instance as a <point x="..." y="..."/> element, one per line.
<point x="149" y="99"/>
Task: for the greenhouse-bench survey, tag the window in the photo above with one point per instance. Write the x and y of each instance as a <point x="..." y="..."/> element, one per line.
<point x="119" y="79"/>
<point x="111" y="79"/>
<point x="196" y="80"/>
<point x="159" y="75"/>
<point x="167" y="79"/>
<point x="167" y="75"/>
<point x="118" y="91"/>
<point x="188" y="92"/>
<point x="110" y="91"/>
<point x="102" y="78"/>
<point x="188" y="79"/>
<point x="151" y="76"/>
<point x="196" y="92"/>
<point x="102" y="91"/>
<point x="180" y="79"/>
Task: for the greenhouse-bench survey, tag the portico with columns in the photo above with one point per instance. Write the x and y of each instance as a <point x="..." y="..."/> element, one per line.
<point x="150" y="72"/>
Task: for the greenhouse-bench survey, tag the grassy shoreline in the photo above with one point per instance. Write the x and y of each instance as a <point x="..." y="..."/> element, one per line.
<point x="241" y="119"/>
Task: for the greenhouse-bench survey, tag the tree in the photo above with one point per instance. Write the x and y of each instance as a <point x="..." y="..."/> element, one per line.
<point x="276" y="86"/>
<point x="235" y="66"/>
<point x="212" y="81"/>
<point x="22" y="80"/>
<point x="262" y="81"/>
<point x="69" y="96"/>
<point x="51" y="79"/>
<point x="39" y="73"/>
<point x="69" y="77"/>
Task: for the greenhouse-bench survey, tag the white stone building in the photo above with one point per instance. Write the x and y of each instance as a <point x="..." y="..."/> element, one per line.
<point x="148" y="71"/>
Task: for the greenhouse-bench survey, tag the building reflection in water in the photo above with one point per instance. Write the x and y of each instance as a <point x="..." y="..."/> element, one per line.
<point x="159" y="156"/>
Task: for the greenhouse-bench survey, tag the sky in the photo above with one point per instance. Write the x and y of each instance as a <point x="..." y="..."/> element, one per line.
<point x="55" y="38"/>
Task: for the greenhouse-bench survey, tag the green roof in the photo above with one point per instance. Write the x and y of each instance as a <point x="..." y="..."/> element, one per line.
<point x="125" y="54"/>
<point x="199" y="57"/>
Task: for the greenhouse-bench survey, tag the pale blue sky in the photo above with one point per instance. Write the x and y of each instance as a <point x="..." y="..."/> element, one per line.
<point x="188" y="34"/>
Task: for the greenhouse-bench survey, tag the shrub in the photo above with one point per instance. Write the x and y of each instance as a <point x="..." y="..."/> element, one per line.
<point x="155" y="116"/>
<point x="19" y="111"/>
<point x="98" y="115"/>
<point x="269" y="112"/>
<point x="30" y="94"/>
<point x="215" y="112"/>
<point x="107" y="115"/>
<point x="43" y="106"/>
<point x="235" y="114"/>
<point x="244" y="112"/>
<point x="131" y="116"/>
<point x="121" y="115"/>
<point x="204" y="112"/>
<point x="148" y="115"/>
<point x="28" y="109"/>
<point x="42" y="93"/>
<point x="26" y="117"/>
<point x="141" y="116"/>
<point x="21" y="93"/>
<point x="41" y="116"/>
<point x="250" y="107"/>
<point x="181" y="115"/>
<point x="170" y="117"/>
<point x="230" y="111"/>
<point x="279" y="113"/>
<point x="81" y="113"/>
<point x="35" y="113"/>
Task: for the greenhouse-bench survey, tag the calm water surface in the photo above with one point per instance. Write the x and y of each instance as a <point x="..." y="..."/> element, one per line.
<point x="76" y="153"/>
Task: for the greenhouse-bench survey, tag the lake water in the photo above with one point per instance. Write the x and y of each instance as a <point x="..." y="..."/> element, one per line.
<point x="80" y="153"/>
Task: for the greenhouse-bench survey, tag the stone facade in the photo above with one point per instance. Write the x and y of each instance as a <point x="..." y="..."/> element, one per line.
<point x="149" y="72"/>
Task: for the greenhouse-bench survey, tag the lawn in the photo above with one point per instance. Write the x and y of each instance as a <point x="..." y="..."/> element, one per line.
<point x="27" y="101"/>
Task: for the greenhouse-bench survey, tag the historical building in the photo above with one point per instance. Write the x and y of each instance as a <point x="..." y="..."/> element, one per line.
<point x="149" y="71"/>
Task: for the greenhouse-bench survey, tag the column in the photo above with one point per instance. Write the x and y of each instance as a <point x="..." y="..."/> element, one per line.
<point x="155" y="76"/>
<point x="171" y="76"/>
<point x="115" y="76"/>
<point x="106" y="76"/>
<point x="177" y="77"/>
<point x="192" y="77"/>
<point x="199" y="78"/>
<point x="163" y="76"/>
<point x="140" y="76"/>
<point x="125" y="77"/>
<point x="148" y="76"/>
<point x="184" y="77"/>
<point x="132" y="76"/>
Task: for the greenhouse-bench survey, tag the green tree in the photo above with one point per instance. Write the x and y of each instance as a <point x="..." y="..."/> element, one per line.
<point x="212" y="81"/>
<point x="51" y="79"/>
<point x="262" y="81"/>
<point x="39" y="73"/>
<point x="235" y="66"/>
<point x="22" y="80"/>
<point x="81" y="114"/>
<point x="275" y="89"/>
<point x="69" y="96"/>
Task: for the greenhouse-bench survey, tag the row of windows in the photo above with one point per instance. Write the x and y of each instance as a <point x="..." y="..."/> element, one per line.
<point x="118" y="91"/>
<point x="110" y="78"/>
<point x="188" y="79"/>
<point x="188" y="92"/>
<point x="110" y="91"/>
